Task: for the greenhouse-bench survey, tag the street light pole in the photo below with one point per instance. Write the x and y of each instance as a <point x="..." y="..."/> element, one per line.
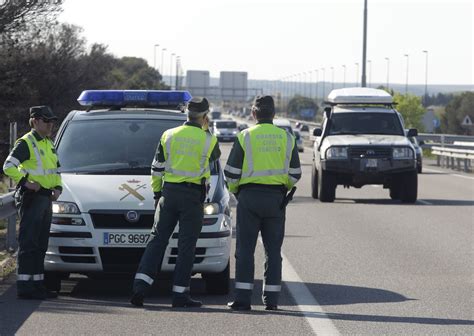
<point x="162" y="63"/>
<point x="323" y="82"/>
<point x="317" y="83"/>
<point x="426" y="78"/>
<point x="171" y="71"/>
<point x="388" y="71"/>
<point x="344" y="80"/>
<point x="370" y="71"/>
<point x="364" y="47"/>
<point x="357" y="74"/>
<point x="178" y="66"/>
<point x="406" y="83"/>
<point x="154" y="55"/>
<point x="332" y="78"/>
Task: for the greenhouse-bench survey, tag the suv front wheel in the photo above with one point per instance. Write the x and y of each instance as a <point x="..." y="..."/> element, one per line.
<point x="409" y="187"/>
<point x="326" y="186"/>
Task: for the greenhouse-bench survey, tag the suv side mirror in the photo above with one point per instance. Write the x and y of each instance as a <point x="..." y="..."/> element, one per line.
<point x="327" y="111"/>
<point x="317" y="132"/>
<point x="412" y="132"/>
<point x="421" y="142"/>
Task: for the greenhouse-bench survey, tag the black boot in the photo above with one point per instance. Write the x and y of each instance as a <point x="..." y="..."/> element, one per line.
<point x="236" y="305"/>
<point x="185" y="302"/>
<point x="137" y="299"/>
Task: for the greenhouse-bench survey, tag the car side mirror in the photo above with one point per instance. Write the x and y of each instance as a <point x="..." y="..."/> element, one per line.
<point x="327" y="111"/>
<point x="317" y="132"/>
<point x="421" y="142"/>
<point x="412" y="132"/>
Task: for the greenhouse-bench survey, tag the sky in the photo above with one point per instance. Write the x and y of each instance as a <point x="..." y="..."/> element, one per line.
<point x="274" y="39"/>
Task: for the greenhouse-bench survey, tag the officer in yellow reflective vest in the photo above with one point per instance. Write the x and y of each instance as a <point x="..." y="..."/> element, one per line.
<point x="180" y="174"/>
<point x="34" y="166"/>
<point x="262" y="166"/>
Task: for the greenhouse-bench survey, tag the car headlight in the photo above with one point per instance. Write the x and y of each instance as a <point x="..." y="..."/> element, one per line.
<point x="217" y="132"/>
<point x="65" y="208"/>
<point x="235" y="132"/>
<point x="402" y="153"/>
<point x="211" y="208"/>
<point x="336" y="153"/>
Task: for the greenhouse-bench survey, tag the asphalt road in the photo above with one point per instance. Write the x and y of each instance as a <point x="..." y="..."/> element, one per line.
<point x="363" y="265"/>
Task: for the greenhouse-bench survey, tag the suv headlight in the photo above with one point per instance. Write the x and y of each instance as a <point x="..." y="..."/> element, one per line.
<point x="211" y="208"/>
<point x="336" y="153"/>
<point x="402" y="153"/>
<point x="65" y="208"/>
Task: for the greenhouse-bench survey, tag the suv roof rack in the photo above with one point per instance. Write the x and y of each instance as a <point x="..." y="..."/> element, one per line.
<point x="359" y="96"/>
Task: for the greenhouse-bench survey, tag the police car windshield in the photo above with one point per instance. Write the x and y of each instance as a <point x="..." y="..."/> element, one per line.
<point x="122" y="147"/>
<point x="226" y="124"/>
<point x="365" y="123"/>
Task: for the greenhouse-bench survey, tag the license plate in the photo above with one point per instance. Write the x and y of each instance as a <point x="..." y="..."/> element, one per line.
<point x="126" y="239"/>
<point x="371" y="163"/>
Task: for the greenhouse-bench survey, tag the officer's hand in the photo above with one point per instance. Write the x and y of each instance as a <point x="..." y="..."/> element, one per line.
<point x="55" y="195"/>
<point x="32" y="186"/>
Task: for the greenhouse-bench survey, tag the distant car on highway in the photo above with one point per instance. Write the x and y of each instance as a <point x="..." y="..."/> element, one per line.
<point x="225" y="130"/>
<point x="362" y="141"/>
<point x="284" y="124"/>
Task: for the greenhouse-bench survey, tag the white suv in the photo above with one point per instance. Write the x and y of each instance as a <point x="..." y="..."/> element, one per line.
<point x="102" y="221"/>
<point x="362" y="141"/>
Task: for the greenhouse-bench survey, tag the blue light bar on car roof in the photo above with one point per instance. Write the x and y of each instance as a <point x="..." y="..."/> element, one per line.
<point x="145" y="98"/>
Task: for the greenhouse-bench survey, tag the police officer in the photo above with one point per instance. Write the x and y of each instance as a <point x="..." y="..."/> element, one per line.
<point x="180" y="173"/>
<point x="262" y="166"/>
<point x="34" y="166"/>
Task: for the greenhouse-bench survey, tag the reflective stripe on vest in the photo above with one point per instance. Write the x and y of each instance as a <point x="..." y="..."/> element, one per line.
<point x="39" y="171"/>
<point x="269" y="172"/>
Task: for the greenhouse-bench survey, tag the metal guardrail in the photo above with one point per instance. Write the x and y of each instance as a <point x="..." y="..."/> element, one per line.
<point x="8" y="210"/>
<point x="452" y="157"/>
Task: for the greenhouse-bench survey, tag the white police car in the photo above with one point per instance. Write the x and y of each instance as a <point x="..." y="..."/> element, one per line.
<point x="102" y="221"/>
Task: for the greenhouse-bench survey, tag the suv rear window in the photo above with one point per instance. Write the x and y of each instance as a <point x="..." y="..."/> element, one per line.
<point x="365" y="123"/>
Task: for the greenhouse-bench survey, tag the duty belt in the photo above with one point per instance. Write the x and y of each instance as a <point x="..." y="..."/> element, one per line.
<point x="275" y="187"/>
<point x="186" y="184"/>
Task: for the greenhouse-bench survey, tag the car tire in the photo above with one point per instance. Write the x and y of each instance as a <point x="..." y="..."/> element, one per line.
<point x="409" y="187"/>
<point x="314" y="182"/>
<point x="420" y="169"/>
<point x="395" y="192"/>
<point x="218" y="283"/>
<point x="327" y="186"/>
<point x="52" y="280"/>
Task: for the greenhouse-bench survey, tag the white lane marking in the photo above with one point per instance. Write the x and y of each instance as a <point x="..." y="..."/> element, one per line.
<point x="307" y="304"/>
<point x="443" y="172"/>
<point x="424" y="202"/>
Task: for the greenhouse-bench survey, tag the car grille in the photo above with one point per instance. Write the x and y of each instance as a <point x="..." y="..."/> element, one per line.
<point x="120" y="259"/>
<point x="117" y="220"/>
<point x="370" y="152"/>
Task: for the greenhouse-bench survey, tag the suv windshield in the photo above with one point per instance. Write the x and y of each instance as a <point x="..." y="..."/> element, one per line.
<point x="226" y="124"/>
<point x="122" y="147"/>
<point x="365" y="123"/>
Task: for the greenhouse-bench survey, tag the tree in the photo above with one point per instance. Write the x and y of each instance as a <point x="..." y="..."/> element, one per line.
<point x="457" y="109"/>
<point x="14" y="14"/>
<point x="299" y="103"/>
<point x="412" y="110"/>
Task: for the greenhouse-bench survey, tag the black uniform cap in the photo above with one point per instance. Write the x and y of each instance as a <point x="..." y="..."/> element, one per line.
<point x="198" y="106"/>
<point x="42" y="112"/>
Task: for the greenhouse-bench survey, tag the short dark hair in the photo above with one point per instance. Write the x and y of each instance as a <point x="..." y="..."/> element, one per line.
<point x="264" y="107"/>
